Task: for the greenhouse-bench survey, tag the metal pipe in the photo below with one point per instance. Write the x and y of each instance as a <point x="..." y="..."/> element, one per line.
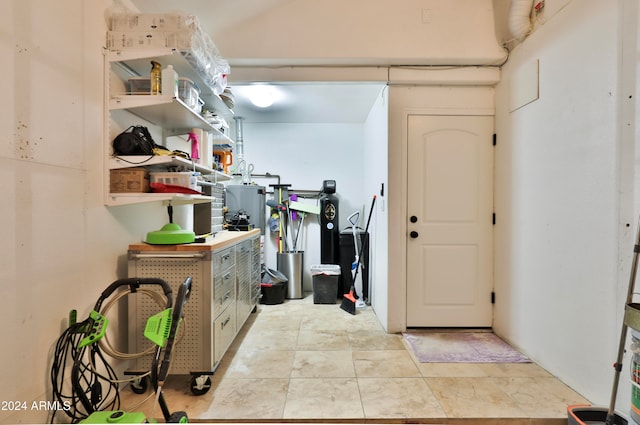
<point x="239" y="146"/>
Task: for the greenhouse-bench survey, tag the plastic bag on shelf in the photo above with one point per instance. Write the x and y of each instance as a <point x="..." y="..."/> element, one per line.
<point x="178" y="31"/>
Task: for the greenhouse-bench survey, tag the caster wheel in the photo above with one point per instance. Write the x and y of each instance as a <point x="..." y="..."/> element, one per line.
<point x="200" y="384"/>
<point x="140" y="385"/>
<point x="178" y="418"/>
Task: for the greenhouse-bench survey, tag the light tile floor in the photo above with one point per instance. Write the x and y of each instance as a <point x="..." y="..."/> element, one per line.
<point x="300" y="361"/>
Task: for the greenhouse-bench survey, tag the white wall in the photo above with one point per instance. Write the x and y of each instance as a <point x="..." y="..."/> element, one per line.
<point x="561" y="214"/>
<point x="376" y="182"/>
<point x="304" y="155"/>
<point x="365" y="32"/>
<point x="60" y="246"/>
<point x="54" y="241"/>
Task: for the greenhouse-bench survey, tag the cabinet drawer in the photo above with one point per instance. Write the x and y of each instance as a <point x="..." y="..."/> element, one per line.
<point x="224" y="331"/>
<point x="224" y="259"/>
<point x="224" y="291"/>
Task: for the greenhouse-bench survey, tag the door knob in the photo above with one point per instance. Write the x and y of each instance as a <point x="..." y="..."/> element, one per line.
<point x="413" y="234"/>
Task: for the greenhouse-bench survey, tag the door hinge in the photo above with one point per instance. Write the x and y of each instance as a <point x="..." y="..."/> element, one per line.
<point x="493" y="297"/>
<point x="493" y="219"/>
<point x="495" y="139"/>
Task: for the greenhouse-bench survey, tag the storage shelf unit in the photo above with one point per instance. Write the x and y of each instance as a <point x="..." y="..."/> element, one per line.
<point x="171" y="114"/>
<point x="160" y="160"/>
<point x="137" y="61"/>
<point x="223" y="272"/>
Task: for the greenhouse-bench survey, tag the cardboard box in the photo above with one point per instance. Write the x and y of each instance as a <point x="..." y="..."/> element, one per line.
<point x="129" y="180"/>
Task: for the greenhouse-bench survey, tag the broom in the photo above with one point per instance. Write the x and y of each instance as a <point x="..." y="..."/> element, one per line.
<point x="349" y="302"/>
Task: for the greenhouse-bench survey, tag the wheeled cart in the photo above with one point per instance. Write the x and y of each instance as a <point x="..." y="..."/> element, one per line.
<point x="225" y="290"/>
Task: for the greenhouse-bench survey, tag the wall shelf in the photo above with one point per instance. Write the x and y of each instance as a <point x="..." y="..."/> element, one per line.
<point x="167" y="112"/>
<point x="115" y="199"/>
<point x="170" y="114"/>
<point x="137" y="61"/>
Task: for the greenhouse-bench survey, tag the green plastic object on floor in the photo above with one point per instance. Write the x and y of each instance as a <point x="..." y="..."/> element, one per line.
<point x="117" y="417"/>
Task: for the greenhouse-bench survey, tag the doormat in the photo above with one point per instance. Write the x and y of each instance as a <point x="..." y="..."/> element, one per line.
<point x="461" y="347"/>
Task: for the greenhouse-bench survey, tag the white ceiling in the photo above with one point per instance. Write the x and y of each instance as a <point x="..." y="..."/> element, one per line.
<point x="306" y="102"/>
<point x="318" y="103"/>
<point x="303" y="102"/>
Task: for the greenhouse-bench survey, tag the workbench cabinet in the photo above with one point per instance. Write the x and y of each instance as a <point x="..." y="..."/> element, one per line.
<point x="225" y="290"/>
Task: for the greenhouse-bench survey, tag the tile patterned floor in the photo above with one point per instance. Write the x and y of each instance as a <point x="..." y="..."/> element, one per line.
<point x="305" y="362"/>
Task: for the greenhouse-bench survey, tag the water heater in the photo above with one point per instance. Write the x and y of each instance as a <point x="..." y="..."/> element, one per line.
<point x="249" y="199"/>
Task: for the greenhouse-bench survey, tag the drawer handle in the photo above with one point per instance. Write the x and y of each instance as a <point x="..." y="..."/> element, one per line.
<point x="226" y="257"/>
<point x="227" y="276"/>
<point x="225" y="323"/>
<point x="226" y="297"/>
<point x="199" y="255"/>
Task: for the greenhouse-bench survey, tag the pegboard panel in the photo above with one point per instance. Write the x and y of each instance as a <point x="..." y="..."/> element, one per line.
<point x="193" y="347"/>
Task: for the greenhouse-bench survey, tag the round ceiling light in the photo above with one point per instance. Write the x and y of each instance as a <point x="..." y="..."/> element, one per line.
<point x="263" y="95"/>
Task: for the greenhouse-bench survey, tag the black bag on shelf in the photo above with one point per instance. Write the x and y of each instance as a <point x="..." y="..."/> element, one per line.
<point x="135" y="140"/>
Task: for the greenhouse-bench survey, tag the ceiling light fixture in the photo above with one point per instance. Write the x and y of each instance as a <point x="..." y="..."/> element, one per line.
<point x="263" y="95"/>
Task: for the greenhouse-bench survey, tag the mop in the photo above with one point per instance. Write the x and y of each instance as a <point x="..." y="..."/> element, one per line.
<point x="359" y="286"/>
<point x="365" y="246"/>
<point x="349" y="302"/>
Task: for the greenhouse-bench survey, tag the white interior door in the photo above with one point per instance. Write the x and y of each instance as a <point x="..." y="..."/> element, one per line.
<point x="450" y="225"/>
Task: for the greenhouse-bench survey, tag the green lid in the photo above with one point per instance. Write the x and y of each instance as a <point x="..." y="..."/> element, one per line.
<point x="170" y="234"/>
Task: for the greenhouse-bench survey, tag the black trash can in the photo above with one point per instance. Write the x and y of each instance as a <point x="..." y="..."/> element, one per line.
<point x="273" y="287"/>
<point x="325" y="283"/>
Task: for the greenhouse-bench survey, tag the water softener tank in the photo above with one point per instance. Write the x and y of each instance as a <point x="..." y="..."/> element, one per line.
<point x="329" y="224"/>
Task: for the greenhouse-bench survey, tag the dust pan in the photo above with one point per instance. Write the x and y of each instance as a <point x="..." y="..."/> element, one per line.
<point x="349" y="302"/>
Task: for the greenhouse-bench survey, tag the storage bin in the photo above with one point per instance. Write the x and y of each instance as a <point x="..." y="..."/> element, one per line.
<point x="184" y="179"/>
<point x="151" y="22"/>
<point x="273" y="288"/>
<point x="273" y="293"/>
<point x="129" y="180"/>
<point x="123" y="40"/>
<point x="325" y="283"/>
<point x="188" y="92"/>
<point x="583" y="415"/>
<point x="140" y="85"/>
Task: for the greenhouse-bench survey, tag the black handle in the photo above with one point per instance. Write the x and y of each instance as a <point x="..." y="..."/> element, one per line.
<point x="414" y="234"/>
<point x="413" y="219"/>
<point x="134" y="284"/>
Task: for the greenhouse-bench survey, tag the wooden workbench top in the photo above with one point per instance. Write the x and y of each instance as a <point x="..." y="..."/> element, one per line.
<point x="220" y="240"/>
